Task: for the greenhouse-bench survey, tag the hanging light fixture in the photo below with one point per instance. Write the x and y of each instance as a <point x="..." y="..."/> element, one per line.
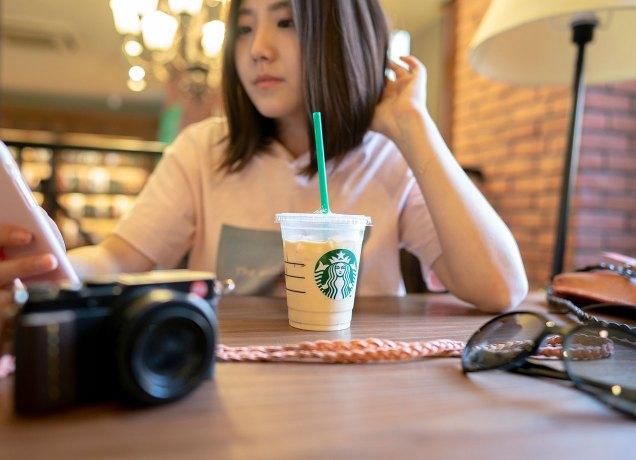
<point x="164" y="38"/>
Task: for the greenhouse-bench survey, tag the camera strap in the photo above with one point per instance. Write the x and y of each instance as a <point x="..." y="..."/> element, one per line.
<point x="586" y="348"/>
<point x="380" y="350"/>
<point x="374" y="350"/>
<point x="342" y="351"/>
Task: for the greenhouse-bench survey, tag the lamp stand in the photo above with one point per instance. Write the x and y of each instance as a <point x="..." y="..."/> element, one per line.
<point x="582" y="34"/>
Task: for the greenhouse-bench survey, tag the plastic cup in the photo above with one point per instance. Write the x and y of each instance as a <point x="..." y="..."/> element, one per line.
<point x="322" y="257"/>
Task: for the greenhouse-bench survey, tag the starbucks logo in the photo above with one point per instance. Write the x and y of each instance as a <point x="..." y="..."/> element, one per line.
<point x="336" y="273"/>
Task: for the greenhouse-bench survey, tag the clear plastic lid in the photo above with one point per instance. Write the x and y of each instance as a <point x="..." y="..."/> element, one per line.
<point x="320" y="218"/>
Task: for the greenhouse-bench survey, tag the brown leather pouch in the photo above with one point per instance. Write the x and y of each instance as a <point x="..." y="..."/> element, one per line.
<point x="605" y="288"/>
<point x="596" y="286"/>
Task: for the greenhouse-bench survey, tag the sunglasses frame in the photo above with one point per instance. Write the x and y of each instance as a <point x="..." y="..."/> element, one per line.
<point x="521" y="365"/>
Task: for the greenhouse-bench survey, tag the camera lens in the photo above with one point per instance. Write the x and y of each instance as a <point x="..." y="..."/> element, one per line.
<point x="166" y="347"/>
<point x="171" y="353"/>
<point x="172" y="350"/>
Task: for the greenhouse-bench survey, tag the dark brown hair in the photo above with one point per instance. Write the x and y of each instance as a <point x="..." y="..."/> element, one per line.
<point x="343" y="51"/>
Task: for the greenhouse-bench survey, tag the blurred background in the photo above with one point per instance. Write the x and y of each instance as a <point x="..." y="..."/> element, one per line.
<point x="91" y="90"/>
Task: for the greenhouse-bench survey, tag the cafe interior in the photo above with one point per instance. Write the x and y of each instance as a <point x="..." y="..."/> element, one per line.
<point x="536" y="100"/>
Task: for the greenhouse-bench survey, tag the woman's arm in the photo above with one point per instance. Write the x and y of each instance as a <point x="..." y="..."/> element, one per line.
<point x="113" y="255"/>
<point x="480" y="260"/>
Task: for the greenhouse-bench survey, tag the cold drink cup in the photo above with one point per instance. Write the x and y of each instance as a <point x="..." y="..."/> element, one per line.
<point x="322" y="258"/>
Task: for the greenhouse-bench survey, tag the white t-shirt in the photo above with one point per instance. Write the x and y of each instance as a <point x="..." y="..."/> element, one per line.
<point x="226" y="221"/>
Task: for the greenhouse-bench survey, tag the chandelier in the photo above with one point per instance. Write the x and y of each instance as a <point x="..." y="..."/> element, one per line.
<point x="172" y="38"/>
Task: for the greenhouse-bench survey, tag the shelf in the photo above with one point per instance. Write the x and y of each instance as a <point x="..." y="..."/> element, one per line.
<point x="81" y="192"/>
<point x="88" y="175"/>
<point x="99" y="220"/>
<point x="77" y="141"/>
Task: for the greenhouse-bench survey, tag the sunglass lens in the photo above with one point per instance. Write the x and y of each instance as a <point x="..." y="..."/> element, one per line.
<point x="602" y="361"/>
<point x="503" y="341"/>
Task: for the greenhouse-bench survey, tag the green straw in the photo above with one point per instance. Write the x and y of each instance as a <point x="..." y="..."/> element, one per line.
<point x="320" y="154"/>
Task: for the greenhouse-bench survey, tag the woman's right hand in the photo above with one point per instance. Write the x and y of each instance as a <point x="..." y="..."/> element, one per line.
<point x="10" y="269"/>
<point x="19" y="267"/>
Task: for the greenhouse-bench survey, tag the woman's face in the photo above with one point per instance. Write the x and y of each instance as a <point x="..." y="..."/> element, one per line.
<point x="340" y="269"/>
<point x="267" y="56"/>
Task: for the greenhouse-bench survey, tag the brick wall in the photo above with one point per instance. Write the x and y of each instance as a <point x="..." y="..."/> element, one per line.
<point x="517" y="136"/>
<point x="606" y="194"/>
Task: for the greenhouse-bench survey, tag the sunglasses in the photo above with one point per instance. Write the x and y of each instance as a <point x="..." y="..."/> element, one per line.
<point x="599" y="359"/>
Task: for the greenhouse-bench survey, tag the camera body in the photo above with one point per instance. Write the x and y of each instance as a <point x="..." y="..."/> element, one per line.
<point x="143" y="339"/>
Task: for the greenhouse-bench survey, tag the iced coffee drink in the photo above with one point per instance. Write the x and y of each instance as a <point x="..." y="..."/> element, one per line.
<point x="322" y="256"/>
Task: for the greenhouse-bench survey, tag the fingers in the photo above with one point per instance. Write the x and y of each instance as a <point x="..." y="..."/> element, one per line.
<point x="11" y="235"/>
<point x="6" y="298"/>
<point x="399" y="70"/>
<point x="389" y="84"/>
<point x="24" y="267"/>
<point x="414" y="66"/>
<point x="414" y="63"/>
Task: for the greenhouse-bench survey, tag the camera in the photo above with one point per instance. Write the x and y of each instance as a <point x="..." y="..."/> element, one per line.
<point x="142" y="339"/>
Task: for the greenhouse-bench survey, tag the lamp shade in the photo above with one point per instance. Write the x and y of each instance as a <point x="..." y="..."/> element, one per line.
<point x="529" y="41"/>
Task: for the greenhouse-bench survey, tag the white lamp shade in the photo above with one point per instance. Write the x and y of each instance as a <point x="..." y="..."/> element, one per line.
<point x="530" y="41"/>
<point x="158" y="30"/>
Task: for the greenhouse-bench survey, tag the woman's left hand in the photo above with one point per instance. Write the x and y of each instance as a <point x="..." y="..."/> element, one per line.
<point x="403" y="101"/>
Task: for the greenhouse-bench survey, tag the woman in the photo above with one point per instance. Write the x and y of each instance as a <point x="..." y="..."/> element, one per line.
<point x="216" y="190"/>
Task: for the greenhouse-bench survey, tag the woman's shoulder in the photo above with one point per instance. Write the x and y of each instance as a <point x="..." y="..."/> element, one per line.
<point x="382" y="155"/>
<point x="209" y="133"/>
<point x="200" y="142"/>
<point x="377" y="163"/>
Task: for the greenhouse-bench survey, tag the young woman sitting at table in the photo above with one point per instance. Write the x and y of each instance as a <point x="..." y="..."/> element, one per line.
<point x="216" y="190"/>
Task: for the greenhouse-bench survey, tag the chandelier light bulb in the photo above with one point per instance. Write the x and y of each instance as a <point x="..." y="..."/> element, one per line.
<point x="151" y="35"/>
<point x="136" y="73"/>
<point x="121" y="6"/>
<point x="136" y="86"/>
<point x="143" y="7"/>
<point x="133" y="48"/>
<point x="158" y="29"/>
<point x="125" y="17"/>
<point x="190" y="7"/>
<point x="212" y="38"/>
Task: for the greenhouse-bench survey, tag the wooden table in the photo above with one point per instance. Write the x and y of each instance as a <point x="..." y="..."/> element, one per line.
<point x="424" y="409"/>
